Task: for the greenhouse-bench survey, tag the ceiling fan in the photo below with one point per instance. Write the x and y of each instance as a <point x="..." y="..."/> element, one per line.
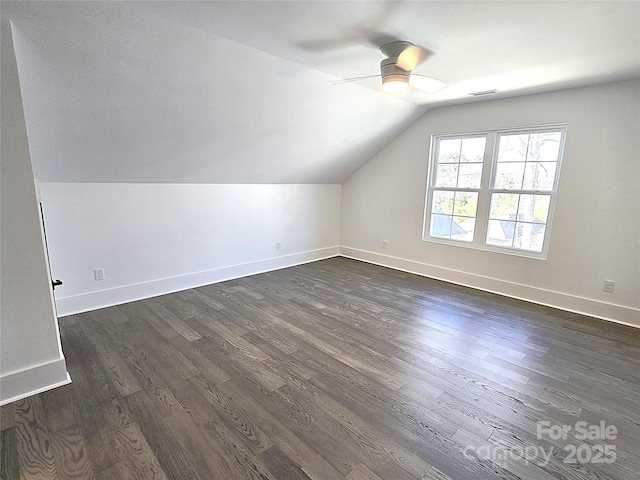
<point x="397" y="69"/>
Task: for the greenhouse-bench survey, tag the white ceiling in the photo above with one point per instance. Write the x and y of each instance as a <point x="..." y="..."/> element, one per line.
<point x="240" y="92"/>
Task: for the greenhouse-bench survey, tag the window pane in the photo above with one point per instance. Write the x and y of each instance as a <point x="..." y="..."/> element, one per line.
<point x="550" y="148"/>
<point x="449" y="151"/>
<point x="500" y="233"/>
<point x="513" y="148"/>
<point x="440" y="226"/>
<point x="509" y="176"/>
<point x="473" y="149"/>
<point x="533" y="208"/>
<point x="442" y="202"/>
<point x="539" y="175"/>
<point x="504" y="206"/>
<point x="453" y="215"/>
<point x="447" y="175"/>
<point x="466" y="204"/>
<point x="462" y="229"/>
<point x="544" y="147"/>
<point x="470" y="175"/>
<point x="529" y="236"/>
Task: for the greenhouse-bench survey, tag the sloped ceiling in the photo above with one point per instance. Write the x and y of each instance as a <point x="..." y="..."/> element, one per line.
<point x="241" y="92"/>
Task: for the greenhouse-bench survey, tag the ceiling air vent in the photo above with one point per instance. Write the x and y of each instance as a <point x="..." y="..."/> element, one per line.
<point x="485" y="92"/>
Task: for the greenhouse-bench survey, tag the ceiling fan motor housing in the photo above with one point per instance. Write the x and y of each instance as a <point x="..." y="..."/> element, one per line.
<point x="393" y="49"/>
<point x="389" y="68"/>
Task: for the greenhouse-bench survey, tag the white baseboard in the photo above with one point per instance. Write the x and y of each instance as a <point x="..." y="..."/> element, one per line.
<point x="563" y="301"/>
<point x="31" y="381"/>
<point x="129" y="293"/>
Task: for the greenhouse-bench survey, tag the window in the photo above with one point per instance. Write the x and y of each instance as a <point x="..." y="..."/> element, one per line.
<point x="494" y="190"/>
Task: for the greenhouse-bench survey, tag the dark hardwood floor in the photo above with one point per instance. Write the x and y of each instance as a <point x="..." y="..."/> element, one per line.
<point x="333" y="370"/>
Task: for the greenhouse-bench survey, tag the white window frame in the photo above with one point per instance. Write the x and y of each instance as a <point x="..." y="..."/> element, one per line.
<point x="487" y="189"/>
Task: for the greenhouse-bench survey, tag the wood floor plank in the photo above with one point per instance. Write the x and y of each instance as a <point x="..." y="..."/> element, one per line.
<point x="35" y="456"/>
<point x="226" y="411"/>
<point x="140" y="310"/>
<point x="145" y="334"/>
<point x="368" y="443"/>
<point x="380" y="447"/>
<point x="361" y="472"/>
<point x="194" y="295"/>
<point x="111" y="361"/>
<point x="342" y="456"/>
<point x="109" y="314"/>
<point x="110" y="474"/>
<point x="389" y="407"/>
<point x="242" y="463"/>
<point x="175" y="462"/>
<point x="435" y="474"/>
<point x="138" y="460"/>
<point x="169" y="317"/>
<point x="331" y="370"/>
<point x="84" y="363"/>
<point x="281" y="466"/>
<point x="197" y="357"/>
<point x="71" y="454"/>
<point x="56" y="407"/>
<point x="279" y="362"/>
<point x="98" y="433"/>
<point x="209" y="461"/>
<point x="90" y="412"/>
<point x="237" y="341"/>
<point x="309" y="460"/>
<point x="7" y="416"/>
<point x="525" y="470"/>
<point x="419" y="435"/>
<point x="9" y="467"/>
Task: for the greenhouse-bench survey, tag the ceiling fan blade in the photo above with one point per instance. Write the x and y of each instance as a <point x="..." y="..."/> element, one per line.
<point x="412" y="56"/>
<point x="426" y="84"/>
<point x="353" y="79"/>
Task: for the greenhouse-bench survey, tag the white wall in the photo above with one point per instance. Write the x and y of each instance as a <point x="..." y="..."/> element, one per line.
<point x="30" y="354"/>
<point x="157" y="238"/>
<point x="596" y="227"/>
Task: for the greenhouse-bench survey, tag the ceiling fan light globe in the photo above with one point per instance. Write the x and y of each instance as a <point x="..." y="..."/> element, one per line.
<point x="395" y="83"/>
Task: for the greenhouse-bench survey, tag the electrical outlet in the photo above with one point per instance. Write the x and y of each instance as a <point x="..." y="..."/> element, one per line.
<point x="607" y="286"/>
<point x="278" y="245"/>
<point x="385" y="244"/>
<point x="98" y="274"/>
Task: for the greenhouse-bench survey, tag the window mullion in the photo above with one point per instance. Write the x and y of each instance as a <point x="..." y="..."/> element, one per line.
<point x="484" y="197"/>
